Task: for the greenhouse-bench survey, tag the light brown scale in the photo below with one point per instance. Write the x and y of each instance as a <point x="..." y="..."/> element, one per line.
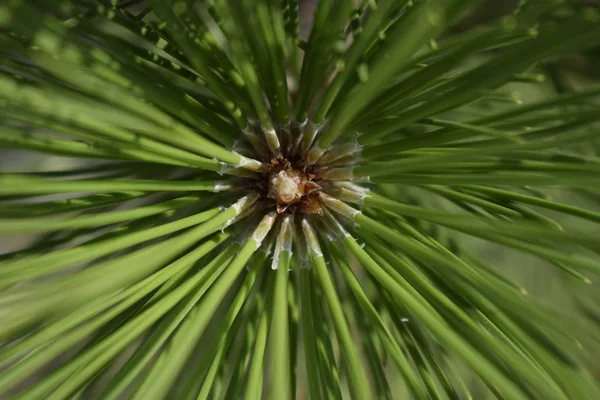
<point x="292" y="187"/>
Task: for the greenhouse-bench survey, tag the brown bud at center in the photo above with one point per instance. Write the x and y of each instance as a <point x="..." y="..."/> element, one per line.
<point x="292" y="188"/>
<point x="287" y="187"/>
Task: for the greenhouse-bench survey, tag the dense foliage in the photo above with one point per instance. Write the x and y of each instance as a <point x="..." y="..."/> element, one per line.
<point x="264" y="216"/>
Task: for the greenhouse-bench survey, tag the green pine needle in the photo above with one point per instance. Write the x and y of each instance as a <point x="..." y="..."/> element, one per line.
<point x="210" y="201"/>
